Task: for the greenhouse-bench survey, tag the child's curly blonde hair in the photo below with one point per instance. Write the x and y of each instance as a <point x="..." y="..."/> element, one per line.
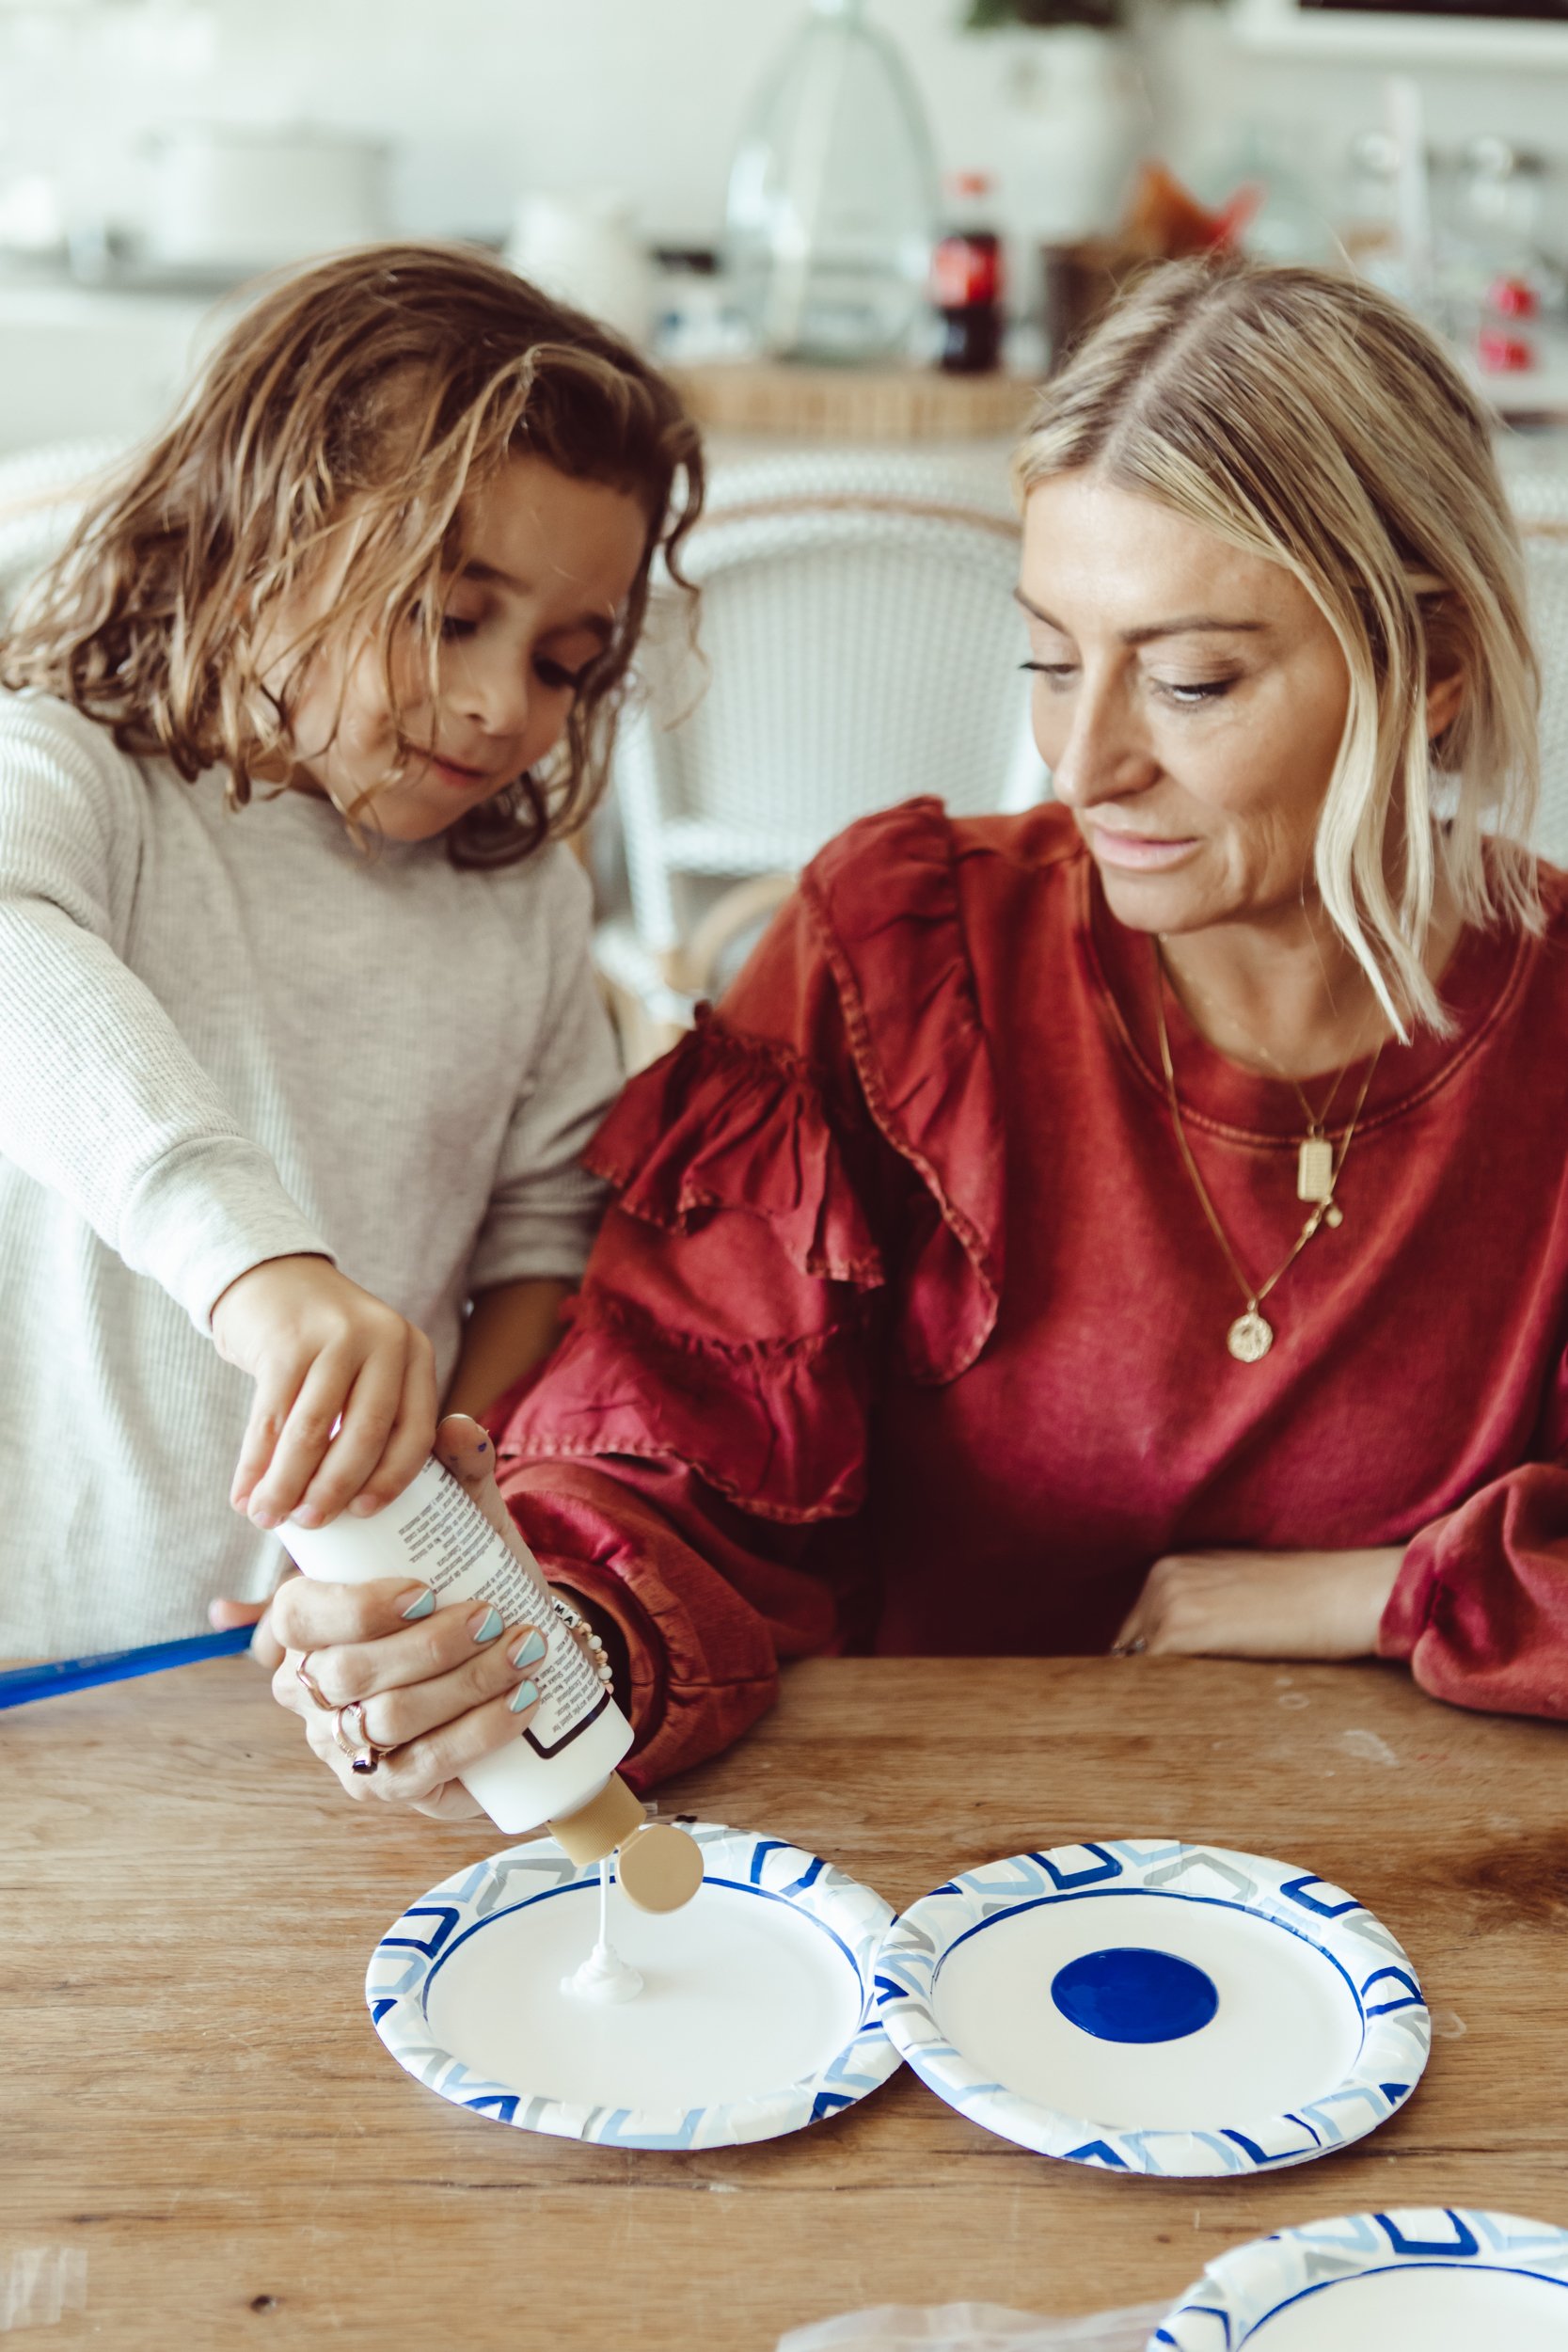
<point x="370" y="396"/>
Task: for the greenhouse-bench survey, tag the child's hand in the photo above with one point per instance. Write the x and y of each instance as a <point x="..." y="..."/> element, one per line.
<point x="318" y="1347"/>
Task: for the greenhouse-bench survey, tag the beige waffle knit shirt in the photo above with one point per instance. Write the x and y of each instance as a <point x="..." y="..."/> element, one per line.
<point x="223" y="1038"/>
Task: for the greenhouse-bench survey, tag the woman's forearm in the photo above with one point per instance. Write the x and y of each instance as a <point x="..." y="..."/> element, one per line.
<point x="1235" y="1603"/>
<point x="704" y="1603"/>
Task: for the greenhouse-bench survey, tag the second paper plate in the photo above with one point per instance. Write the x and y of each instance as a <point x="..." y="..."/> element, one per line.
<point x="1147" y="2006"/>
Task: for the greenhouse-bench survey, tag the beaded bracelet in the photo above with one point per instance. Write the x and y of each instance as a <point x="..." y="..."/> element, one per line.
<point x="577" y="1623"/>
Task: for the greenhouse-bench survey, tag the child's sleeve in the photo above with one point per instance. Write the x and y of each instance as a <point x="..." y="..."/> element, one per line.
<point x="100" y="1099"/>
<point x="545" y="1206"/>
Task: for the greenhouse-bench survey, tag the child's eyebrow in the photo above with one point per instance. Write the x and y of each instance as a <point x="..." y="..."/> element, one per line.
<point x="597" y="623"/>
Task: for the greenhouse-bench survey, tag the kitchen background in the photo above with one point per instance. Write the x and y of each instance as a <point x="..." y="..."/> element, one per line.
<point x="155" y="153"/>
<point x="481" y="100"/>
<point x="478" y="104"/>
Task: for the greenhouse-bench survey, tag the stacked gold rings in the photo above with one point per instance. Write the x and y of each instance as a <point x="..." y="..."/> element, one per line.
<point x="348" y="1723"/>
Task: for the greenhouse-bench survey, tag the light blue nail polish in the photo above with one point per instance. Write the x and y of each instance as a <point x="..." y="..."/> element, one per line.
<point x="423" y="1607"/>
<point x="524" y="1695"/>
<point x="495" y="1625"/>
<point x="529" y="1653"/>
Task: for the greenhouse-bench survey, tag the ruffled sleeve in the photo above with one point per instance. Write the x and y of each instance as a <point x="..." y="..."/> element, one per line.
<point x="729" y="1121"/>
<point x="885" y="900"/>
<point x="726" y="1313"/>
<point x="808" y="1202"/>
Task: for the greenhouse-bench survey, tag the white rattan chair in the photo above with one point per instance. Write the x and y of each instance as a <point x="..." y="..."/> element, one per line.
<point x="859" y="645"/>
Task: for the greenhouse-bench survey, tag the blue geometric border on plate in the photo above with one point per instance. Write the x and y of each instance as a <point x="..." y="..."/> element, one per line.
<point x="1396" y="2029"/>
<point x="412" y="1951"/>
<point x="1242" y="2289"/>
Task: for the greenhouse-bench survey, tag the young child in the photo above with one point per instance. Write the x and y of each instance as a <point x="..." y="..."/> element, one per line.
<point x="298" y="1034"/>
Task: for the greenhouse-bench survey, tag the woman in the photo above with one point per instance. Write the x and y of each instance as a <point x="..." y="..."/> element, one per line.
<point x="1139" y="1224"/>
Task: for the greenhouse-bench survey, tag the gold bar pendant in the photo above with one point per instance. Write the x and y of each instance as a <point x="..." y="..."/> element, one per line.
<point x="1314" y="1169"/>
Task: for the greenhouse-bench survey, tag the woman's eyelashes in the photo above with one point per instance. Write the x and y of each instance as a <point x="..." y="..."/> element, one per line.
<point x="1185" y="693"/>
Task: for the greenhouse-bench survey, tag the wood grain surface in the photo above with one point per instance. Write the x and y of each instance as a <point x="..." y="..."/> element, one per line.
<point x="204" y="2144"/>
<point x="827" y="403"/>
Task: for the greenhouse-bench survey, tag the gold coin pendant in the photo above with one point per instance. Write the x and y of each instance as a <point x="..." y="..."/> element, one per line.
<point x="1249" y="1337"/>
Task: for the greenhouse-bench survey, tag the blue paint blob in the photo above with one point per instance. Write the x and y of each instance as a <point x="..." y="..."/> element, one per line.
<point x="1132" y="1993"/>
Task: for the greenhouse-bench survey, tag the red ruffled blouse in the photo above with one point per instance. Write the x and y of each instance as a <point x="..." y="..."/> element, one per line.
<point x="907" y="1331"/>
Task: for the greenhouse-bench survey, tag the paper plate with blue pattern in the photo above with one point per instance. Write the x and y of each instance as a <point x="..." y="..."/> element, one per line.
<point x="758" y="2015"/>
<point x="1146" y="2006"/>
<point x="1436" y="2280"/>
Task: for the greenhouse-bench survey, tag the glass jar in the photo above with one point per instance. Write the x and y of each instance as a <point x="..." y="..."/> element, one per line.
<point x="833" y="197"/>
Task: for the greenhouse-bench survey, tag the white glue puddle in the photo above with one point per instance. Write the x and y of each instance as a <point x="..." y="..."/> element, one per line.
<point x="742" y="1994"/>
<point x="1417" y="2309"/>
<point x="604" y="1976"/>
<point x="1286" y="2029"/>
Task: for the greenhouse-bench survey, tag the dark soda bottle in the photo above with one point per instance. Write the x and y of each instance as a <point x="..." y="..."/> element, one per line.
<point x="966" y="281"/>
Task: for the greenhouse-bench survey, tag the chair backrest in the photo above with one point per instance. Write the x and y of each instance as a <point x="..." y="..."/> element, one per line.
<point x="859" y="646"/>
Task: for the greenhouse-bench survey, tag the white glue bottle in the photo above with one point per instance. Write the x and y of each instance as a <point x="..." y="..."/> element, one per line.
<point x="560" y="1773"/>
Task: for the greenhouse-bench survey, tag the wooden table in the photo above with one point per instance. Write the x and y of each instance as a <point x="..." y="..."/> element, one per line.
<point x="204" y="2144"/>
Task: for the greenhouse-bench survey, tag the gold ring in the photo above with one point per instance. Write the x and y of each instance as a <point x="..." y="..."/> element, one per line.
<point x="362" y="1751"/>
<point x="302" y="1673"/>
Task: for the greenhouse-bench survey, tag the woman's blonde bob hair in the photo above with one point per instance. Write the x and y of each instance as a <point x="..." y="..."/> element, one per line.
<point x="355" y="411"/>
<point x="1307" y="418"/>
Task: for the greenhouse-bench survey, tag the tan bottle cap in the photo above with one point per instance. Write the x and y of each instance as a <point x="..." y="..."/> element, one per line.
<point x="659" y="1867"/>
<point x="598" y="1827"/>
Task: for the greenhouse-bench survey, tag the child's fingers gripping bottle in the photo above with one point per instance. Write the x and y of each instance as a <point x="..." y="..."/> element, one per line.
<point x="561" y="1772"/>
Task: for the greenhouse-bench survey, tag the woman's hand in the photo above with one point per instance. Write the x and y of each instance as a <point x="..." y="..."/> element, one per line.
<point x="441" y="1687"/>
<point x="1263" y="1604"/>
<point x="344" y="1409"/>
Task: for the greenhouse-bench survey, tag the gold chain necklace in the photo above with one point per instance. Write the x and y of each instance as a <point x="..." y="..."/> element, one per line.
<point x="1314" y="1152"/>
<point x="1251" y="1335"/>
